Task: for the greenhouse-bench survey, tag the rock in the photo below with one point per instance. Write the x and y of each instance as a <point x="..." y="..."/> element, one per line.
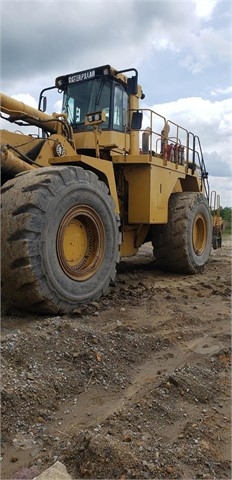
<point x="57" y="471"/>
<point x="14" y="459"/>
<point x="26" y="473"/>
<point x="127" y="438"/>
<point x="40" y="419"/>
<point x="203" y="444"/>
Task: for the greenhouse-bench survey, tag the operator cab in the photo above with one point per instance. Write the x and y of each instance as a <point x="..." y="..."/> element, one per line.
<point x="93" y="91"/>
<point x="103" y="94"/>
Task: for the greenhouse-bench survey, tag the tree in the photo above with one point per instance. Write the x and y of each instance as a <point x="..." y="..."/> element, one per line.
<point x="226" y="214"/>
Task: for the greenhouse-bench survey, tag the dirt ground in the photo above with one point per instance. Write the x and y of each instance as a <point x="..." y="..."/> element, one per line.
<point x="135" y="386"/>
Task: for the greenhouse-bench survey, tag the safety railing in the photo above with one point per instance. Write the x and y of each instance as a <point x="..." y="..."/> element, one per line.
<point x="214" y="206"/>
<point x="172" y="143"/>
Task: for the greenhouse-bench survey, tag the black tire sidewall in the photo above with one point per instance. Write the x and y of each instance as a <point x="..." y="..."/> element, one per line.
<point x="70" y="196"/>
<point x="215" y="242"/>
<point x="173" y="242"/>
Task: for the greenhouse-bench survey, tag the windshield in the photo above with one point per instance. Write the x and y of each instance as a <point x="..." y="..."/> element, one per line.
<point x="87" y="97"/>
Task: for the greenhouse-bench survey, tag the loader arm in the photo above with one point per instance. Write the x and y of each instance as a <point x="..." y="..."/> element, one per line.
<point x="18" y="111"/>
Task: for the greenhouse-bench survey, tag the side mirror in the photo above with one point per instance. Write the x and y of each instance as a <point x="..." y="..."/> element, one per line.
<point x="132" y="85"/>
<point x="43" y="104"/>
<point x="136" y="122"/>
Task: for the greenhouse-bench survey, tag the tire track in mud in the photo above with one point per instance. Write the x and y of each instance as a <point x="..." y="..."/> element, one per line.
<point x="95" y="405"/>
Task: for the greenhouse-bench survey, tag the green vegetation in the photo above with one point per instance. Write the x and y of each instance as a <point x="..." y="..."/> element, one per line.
<point x="226" y="215"/>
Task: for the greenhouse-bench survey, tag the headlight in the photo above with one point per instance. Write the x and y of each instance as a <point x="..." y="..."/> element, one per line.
<point x="95" y="118"/>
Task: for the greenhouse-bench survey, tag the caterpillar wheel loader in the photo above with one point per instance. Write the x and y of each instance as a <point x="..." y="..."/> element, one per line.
<point x="92" y="185"/>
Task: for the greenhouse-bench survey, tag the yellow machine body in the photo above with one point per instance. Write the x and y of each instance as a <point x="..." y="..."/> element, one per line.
<point x="93" y="183"/>
<point x="150" y="175"/>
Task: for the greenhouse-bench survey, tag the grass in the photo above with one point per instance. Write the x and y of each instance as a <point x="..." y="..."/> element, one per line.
<point x="227" y="231"/>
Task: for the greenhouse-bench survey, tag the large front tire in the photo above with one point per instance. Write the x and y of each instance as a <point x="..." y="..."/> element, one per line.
<point x="60" y="239"/>
<point x="184" y="243"/>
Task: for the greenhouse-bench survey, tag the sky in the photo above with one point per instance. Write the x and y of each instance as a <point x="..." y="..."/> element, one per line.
<point x="181" y="49"/>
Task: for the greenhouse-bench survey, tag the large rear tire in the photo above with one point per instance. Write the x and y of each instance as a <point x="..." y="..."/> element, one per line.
<point x="60" y="239"/>
<point x="184" y="243"/>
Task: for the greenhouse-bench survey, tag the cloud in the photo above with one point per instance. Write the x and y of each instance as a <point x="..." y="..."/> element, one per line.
<point x="71" y="36"/>
<point x="27" y="99"/>
<point x="76" y="34"/>
<point x="221" y="91"/>
<point x="223" y="188"/>
<point x="205" y="8"/>
<point x="204" y="47"/>
<point x="211" y="121"/>
<point x="182" y="49"/>
<point x="212" y="118"/>
<point x="217" y="165"/>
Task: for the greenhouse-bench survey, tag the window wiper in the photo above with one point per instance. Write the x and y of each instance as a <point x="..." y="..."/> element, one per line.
<point x="99" y="91"/>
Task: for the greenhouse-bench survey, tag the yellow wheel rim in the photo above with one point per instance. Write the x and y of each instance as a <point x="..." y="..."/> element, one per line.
<point x="81" y="243"/>
<point x="199" y="234"/>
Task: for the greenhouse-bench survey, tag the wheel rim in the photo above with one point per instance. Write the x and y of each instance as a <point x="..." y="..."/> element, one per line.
<point x="81" y="243"/>
<point x="199" y="234"/>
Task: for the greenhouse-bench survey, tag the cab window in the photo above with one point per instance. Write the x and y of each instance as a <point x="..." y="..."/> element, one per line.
<point x="120" y="108"/>
<point x="87" y="97"/>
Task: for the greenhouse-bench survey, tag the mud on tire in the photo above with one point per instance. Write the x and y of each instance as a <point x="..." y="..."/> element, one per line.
<point x="60" y="239"/>
<point x="184" y="243"/>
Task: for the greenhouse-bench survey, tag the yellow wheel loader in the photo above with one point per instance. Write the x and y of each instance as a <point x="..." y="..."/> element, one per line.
<point x="92" y="185"/>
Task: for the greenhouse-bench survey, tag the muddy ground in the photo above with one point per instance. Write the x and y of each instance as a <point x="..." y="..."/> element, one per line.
<point x="136" y="385"/>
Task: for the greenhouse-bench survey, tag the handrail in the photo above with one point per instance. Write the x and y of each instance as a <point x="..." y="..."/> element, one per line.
<point x="180" y="147"/>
